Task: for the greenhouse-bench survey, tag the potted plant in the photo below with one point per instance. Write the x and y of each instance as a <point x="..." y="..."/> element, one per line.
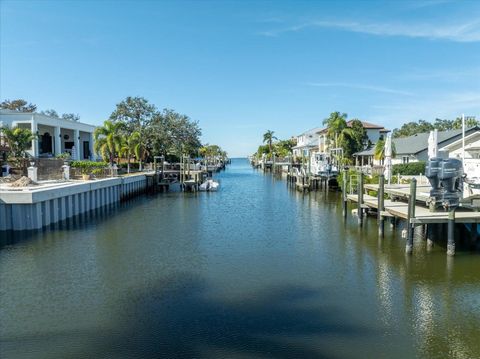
<point x="85" y="167"/>
<point x="65" y="156"/>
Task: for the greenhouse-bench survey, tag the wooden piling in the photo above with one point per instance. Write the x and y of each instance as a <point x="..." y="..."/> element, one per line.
<point x="412" y="199"/>
<point x="344" y="194"/>
<point x="451" y="232"/>
<point x="381" y="206"/>
<point x="473" y="235"/>
<point x="430" y="235"/>
<point x="360" y="199"/>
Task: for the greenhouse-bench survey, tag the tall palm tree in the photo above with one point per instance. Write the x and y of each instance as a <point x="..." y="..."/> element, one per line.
<point x="379" y="150"/>
<point x="139" y="148"/>
<point x="108" y="139"/>
<point x="336" y="124"/>
<point x="128" y="146"/>
<point x="268" y="137"/>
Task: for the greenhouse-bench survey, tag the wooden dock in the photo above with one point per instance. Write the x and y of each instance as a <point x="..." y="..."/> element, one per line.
<point x="411" y="204"/>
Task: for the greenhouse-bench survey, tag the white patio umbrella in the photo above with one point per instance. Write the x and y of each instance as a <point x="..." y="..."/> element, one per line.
<point x="433" y="144"/>
<point x="388" y="158"/>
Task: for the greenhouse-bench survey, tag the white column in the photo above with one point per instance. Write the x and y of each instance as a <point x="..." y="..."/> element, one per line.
<point x="57" y="134"/>
<point x="90" y="144"/>
<point x="34" y="129"/>
<point x="76" y="135"/>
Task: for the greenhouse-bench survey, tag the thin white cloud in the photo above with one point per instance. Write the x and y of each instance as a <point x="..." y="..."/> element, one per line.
<point x="427" y="3"/>
<point x="466" y="31"/>
<point x="466" y="75"/>
<point x="440" y="105"/>
<point x="361" y="87"/>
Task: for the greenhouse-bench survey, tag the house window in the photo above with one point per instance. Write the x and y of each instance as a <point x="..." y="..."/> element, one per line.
<point x="405" y="159"/>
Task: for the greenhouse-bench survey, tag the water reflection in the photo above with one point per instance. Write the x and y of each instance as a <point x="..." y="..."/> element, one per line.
<point x="255" y="270"/>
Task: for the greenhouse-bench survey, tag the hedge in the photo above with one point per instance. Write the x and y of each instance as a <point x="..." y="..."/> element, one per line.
<point x="409" y="169"/>
<point x="91" y="164"/>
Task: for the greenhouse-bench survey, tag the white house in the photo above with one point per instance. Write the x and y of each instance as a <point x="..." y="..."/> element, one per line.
<point x="374" y="134"/>
<point x="306" y="142"/>
<point x="54" y="135"/>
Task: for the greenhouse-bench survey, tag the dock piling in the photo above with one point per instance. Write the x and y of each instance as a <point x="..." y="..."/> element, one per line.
<point x="412" y="199"/>
<point x="451" y="233"/>
<point x="381" y="206"/>
<point x="360" y="199"/>
<point x="344" y="193"/>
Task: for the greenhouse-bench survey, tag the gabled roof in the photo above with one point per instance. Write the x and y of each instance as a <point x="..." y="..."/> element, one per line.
<point x="419" y="142"/>
<point x="311" y="132"/>
<point x="412" y="145"/>
<point x="366" y="125"/>
<point x="312" y="143"/>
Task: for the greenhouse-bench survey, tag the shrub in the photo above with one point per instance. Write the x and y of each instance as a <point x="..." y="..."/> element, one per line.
<point x="64" y="156"/>
<point x="409" y="169"/>
<point x="87" y="167"/>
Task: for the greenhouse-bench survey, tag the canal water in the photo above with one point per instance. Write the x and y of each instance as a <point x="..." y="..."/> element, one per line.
<point x="256" y="270"/>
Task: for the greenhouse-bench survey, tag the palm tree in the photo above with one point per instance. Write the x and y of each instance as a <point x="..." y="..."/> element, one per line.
<point x="127" y="147"/>
<point x="336" y="124"/>
<point x="18" y="140"/>
<point x="379" y="150"/>
<point x="139" y="148"/>
<point x="108" y="139"/>
<point x="268" y="137"/>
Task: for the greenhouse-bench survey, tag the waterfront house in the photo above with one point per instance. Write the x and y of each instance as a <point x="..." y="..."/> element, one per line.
<point x="415" y="148"/>
<point x="322" y="154"/>
<point x="374" y="134"/>
<point x="306" y="143"/>
<point x="54" y="135"/>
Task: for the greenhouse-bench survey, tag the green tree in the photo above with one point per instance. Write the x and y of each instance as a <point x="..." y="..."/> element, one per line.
<point x="353" y="138"/>
<point x="268" y="138"/>
<point x="171" y="133"/>
<point x="379" y="150"/>
<point x="71" y="117"/>
<point x="18" y="141"/>
<point x="19" y="105"/>
<point x="262" y="149"/>
<point x="336" y="123"/>
<point x="140" y="149"/>
<point x="283" y="148"/>
<point x="108" y="139"/>
<point x="128" y="147"/>
<point x="135" y="112"/>
<point x="412" y="128"/>
<point x="50" y="113"/>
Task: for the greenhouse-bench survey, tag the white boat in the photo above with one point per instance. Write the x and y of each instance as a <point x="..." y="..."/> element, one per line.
<point x="471" y="181"/>
<point x="322" y="165"/>
<point x="209" y="185"/>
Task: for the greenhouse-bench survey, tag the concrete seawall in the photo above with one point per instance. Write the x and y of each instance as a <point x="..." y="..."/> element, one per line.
<point x="36" y="208"/>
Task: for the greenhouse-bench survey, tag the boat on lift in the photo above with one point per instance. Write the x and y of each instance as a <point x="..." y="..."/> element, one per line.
<point x="322" y="165"/>
<point x="210" y="185"/>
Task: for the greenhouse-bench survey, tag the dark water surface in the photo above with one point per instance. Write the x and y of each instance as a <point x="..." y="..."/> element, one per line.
<point x="254" y="271"/>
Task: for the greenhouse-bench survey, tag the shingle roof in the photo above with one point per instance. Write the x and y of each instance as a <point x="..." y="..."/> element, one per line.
<point x="418" y="143"/>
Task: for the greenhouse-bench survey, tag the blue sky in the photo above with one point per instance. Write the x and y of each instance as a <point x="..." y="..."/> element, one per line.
<point x="240" y="68"/>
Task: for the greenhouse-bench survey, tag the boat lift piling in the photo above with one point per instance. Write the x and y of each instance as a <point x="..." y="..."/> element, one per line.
<point x="360" y="199"/>
<point x="412" y="199"/>
<point x="381" y="205"/>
